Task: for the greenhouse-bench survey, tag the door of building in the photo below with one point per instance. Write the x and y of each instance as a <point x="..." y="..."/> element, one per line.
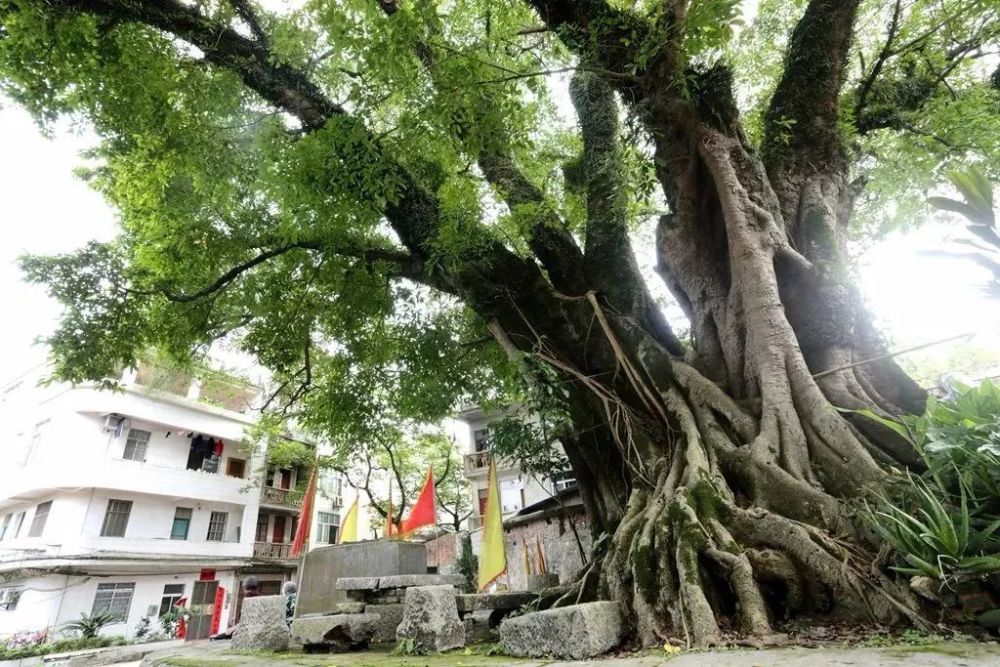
<point x="278" y="532"/>
<point x="202" y="606"/>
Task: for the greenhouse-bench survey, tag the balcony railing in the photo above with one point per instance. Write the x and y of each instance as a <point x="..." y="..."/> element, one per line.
<point x="478" y="462"/>
<point x="267" y="550"/>
<point x="285" y="497"/>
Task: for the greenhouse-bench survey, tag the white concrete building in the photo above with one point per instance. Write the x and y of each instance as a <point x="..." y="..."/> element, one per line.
<point x="517" y="489"/>
<point x="127" y="501"/>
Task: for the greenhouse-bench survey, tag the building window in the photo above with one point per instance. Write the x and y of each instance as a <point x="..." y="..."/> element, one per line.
<point x="563" y="480"/>
<point x="330" y="483"/>
<point x="8" y="598"/>
<point x="114" y="599"/>
<point x="116" y="518"/>
<point x="15" y="525"/>
<point x="182" y="522"/>
<point x="328" y="524"/>
<point x="236" y="468"/>
<point x="5" y="526"/>
<point x="481" y="437"/>
<point x="135" y="445"/>
<point x="38" y="521"/>
<point x="171" y="594"/>
<point x="217" y="527"/>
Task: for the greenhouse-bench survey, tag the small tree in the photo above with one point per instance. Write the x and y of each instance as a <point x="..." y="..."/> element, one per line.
<point x="90" y="625"/>
<point x="468" y="564"/>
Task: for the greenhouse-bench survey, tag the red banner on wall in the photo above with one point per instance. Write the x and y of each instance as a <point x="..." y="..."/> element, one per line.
<point x="220" y="596"/>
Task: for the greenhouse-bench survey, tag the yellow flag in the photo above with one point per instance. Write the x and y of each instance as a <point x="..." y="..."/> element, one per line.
<point x="349" y="526"/>
<point x="492" y="557"/>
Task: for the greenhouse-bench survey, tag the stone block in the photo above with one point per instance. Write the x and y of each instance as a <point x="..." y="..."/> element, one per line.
<point x="404" y="581"/>
<point x="539" y="582"/>
<point x="262" y="625"/>
<point x="490" y="601"/>
<point x="350" y="608"/>
<point x="390" y="616"/>
<point x="430" y="619"/>
<point x="336" y="633"/>
<point x="576" y="632"/>
<point x="323" y="566"/>
<point x="357" y="584"/>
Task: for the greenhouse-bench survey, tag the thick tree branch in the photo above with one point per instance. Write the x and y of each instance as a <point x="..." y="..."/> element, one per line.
<point x="248" y="14"/>
<point x="880" y="60"/>
<point x="549" y="239"/>
<point x="404" y="265"/>
<point x="610" y="262"/>
<point x="800" y="124"/>
<point x="283" y="86"/>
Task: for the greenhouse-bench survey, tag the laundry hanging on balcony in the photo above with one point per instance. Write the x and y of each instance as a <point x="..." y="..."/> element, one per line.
<point x="205" y="453"/>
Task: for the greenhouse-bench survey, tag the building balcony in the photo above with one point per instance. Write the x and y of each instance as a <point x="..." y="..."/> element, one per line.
<point x="76" y="472"/>
<point x="271" y="551"/>
<point x="286" y="498"/>
<point x="478" y="464"/>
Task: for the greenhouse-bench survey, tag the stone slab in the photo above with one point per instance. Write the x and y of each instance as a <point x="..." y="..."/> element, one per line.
<point x="430" y="619"/>
<point x="468" y="603"/>
<point x="390" y="616"/>
<point x="336" y="633"/>
<point x="539" y="582"/>
<point x="350" y="608"/>
<point x="262" y="625"/>
<point x="575" y="632"/>
<point x="323" y="566"/>
<point x="357" y="584"/>
<point x="411" y="580"/>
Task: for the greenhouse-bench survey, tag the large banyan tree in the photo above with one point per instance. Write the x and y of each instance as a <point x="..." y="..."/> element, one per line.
<point x="391" y="206"/>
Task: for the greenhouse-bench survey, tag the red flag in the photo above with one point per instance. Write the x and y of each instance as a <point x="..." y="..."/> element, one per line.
<point x="305" y="517"/>
<point x="424" y="511"/>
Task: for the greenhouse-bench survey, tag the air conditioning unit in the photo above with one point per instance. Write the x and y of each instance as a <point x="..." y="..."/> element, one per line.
<point x="337" y="501"/>
<point x="111" y="421"/>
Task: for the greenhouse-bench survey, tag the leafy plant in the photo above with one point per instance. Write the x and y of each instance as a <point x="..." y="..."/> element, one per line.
<point x="89" y="626"/>
<point x="945" y="522"/>
<point x="976" y="206"/>
<point x="408" y="646"/>
<point x="142" y="628"/>
<point x="168" y="622"/>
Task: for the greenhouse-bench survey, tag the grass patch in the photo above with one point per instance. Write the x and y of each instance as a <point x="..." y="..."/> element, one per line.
<point x="969" y="649"/>
<point x="477" y="655"/>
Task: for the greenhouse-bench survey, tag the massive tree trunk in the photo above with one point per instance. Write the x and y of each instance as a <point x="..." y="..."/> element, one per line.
<point x="719" y="474"/>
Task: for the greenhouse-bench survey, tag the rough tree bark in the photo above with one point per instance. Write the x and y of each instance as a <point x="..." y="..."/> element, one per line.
<point x="718" y="473"/>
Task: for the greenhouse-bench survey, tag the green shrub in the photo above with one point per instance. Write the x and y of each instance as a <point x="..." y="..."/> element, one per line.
<point x="89" y="626"/>
<point x="945" y="521"/>
<point x="15" y="652"/>
<point x="468" y="564"/>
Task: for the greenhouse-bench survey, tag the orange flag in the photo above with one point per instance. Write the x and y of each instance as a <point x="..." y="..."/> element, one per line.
<point x="301" y="539"/>
<point x="424" y="511"/>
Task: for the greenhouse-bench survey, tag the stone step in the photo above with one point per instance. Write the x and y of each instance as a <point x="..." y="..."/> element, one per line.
<point x="397" y="581"/>
<point x="492" y="601"/>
